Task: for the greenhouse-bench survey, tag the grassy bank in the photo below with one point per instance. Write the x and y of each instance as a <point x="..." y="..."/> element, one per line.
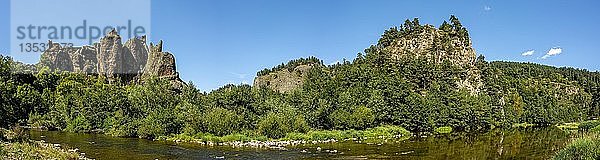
<point x="35" y="150"/>
<point x="381" y="133"/>
<point x="14" y="144"/>
<point x="583" y="146"/>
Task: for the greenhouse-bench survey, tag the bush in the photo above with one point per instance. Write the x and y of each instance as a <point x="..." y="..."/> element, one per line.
<point x="382" y="132"/>
<point x="158" y="123"/>
<point x="387" y="132"/>
<point x="276" y="125"/>
<point x="583" y="148"/>
<point x="79" y="124"/>
<point x="340" y="119"/>
<point x="361" y="118"/>
<point x="443" y="130"/>
<point x="15" y="134"/>
<point x="220" y="121"/>
<point x="596" y="129"/>
<point x="587" y="125"/>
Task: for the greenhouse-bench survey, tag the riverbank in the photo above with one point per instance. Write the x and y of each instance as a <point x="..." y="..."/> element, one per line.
<point x="37" y="150"/>
<point x="585" y="144"/>
<point x="14" y="144"/>
<point x="375" y="135"/>
<point x="515" y="143"/>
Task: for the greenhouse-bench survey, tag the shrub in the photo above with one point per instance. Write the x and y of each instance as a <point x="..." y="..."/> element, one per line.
<point x="158" y="123"/>
<point x="276" y="125"/>
<point x="360" y="118"/>
<point x="382" y="132"/>
<point x="583" y="148"/>
<point x="587" y="125"/>
<point x="38" y="121"/>
<point x="79" y="124"/>
<point x="596" y="129"/>
<point x="340" y="119"/>
<point x="220" y="121"/>
<point x="386" y="131"/>
<point x="443" y="130"/>
<point x="15" y="134"/>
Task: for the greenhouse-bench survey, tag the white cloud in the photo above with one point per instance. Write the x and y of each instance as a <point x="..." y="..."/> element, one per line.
<point x="239" y="75"/>
<point x="528" y="53"/>
<point x="487" y="8"/>
<point x="552" y="52"/>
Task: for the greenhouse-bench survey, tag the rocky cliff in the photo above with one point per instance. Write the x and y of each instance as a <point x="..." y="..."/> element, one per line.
<point x="408" y="43"/>
<point x="283" y="80"/>
<point x="286" y="77"/>
<point x="131" y="61"/>
<point x="449" y="43"/>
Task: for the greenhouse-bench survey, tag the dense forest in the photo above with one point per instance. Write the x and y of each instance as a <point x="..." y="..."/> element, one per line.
<point x="374" y="89"/>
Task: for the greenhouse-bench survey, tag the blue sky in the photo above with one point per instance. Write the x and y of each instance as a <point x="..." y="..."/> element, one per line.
<point x="227" y="41"/>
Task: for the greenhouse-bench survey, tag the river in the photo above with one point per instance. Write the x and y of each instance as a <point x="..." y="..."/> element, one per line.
<point x="541" y="143"/>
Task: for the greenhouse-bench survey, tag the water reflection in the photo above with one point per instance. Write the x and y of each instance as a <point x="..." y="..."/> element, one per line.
<point x="498" y="144"/>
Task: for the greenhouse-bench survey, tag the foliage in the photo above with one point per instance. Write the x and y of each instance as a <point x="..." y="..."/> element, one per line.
<point x="34" y="150"/>
<point x="276" y="125"/>
<point x="361" y="118"/>
<point x="587" y="125"/>
<point x="374" y="89"/>
<point x="443" y="130"/>
<point x="587" y="147"/>
<point x="291" y="65"/>
<point x="596" y="129"/>
<point x="222" y="121"/>
<point x="381" y="132"/>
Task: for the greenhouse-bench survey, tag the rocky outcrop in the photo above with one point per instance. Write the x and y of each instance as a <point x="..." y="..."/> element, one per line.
<point x="437" y="46"/>
<point x="434" y="45"/>
<point x="283" y="80"/>
<point x="161" y="64"/>
<point x="131" y="61"/>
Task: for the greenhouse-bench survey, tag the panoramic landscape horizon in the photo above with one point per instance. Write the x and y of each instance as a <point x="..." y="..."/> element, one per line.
<point x="227" y="42"/>
<point x="153" y="79"/>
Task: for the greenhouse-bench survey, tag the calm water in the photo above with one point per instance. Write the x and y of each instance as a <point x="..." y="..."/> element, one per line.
<point x="513" y="144"/>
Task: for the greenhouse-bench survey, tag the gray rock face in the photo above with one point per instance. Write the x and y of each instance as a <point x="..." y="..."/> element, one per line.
<point x="438" y="46"/>
<point x="284" y="80"/>
<point x="434" y="45"/>
<point x="111" y="58"/>
<point x="161" y="64"/>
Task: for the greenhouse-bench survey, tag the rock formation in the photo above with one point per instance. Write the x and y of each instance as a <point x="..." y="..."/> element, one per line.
<point x="284" y="80"/>
<point x="133" y="60"/>
<point x="450" y="43"/>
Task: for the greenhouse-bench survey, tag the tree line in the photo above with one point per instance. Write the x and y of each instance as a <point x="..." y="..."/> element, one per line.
<point x="369" y="91"/>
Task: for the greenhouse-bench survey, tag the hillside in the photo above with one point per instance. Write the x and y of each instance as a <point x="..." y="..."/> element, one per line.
<point x="415" y="70"/>
<point x="412" y="42"/>
<point x="417" y="77"/>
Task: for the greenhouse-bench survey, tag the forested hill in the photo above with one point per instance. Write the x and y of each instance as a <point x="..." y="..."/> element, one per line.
<point x="419" y="77"/>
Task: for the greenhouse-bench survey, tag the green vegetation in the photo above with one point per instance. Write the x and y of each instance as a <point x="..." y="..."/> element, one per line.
<point x="596" y="129"/>
<point x="382" y="132"/>
<point x="374" y="134"/>
<point x="34" y="150"/>
<point x="337" y="101"/>
<point x="443" y="130"/>
<point x="588" y="125"/>
<point x="14" y="144"/>
<point x="291" y="65"/>
<point x="569" y="126"/>
<point x="586" y="147"/>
